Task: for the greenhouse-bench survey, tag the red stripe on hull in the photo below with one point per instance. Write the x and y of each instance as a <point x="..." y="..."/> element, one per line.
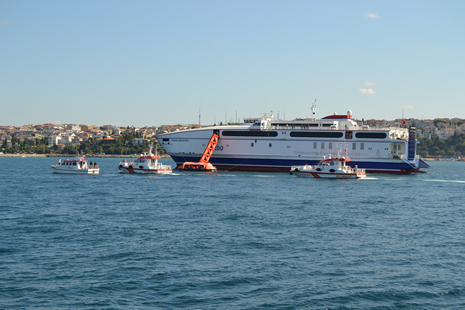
<point x="132" y="170"/>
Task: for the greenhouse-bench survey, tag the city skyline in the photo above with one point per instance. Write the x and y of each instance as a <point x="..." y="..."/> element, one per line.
<point x="155" y="63"/>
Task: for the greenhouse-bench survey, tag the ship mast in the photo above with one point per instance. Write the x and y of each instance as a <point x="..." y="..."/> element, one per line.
<point x="314" y="108"/>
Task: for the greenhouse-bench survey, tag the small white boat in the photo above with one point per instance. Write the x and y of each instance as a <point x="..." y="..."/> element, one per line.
<point x="146" y="163"/>
<point x="329" y="168"/>
<point x="76" y="166"/>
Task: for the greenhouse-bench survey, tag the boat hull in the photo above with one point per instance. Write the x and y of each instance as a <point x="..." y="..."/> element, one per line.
<point x="144" y="171"/>
<point x="318" y="175"/>
<point x="76" y="171"/>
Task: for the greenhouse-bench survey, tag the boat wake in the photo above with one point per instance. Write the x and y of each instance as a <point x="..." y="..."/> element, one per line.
<point x="446" y="181"/>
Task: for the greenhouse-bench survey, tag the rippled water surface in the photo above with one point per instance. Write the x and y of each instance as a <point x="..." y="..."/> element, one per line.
<point x="230" y="240"/>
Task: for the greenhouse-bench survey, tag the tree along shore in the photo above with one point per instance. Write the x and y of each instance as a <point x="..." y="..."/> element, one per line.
<point x="76" y="155"/>
<point x="454" y="146"/>
<point x="120" y="146"/>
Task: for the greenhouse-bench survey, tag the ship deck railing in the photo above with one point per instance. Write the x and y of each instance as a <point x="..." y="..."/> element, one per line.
<point x="333" y="127"/>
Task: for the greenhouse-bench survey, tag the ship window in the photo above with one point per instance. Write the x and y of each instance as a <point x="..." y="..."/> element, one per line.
<point x="316" y="134"/>
<point x="166" y="139"/>
<point x="354" y="146"/>
<point x="269" y="145"/>
<point x="74" y="164"/>
<point x="240" y="133"/>
<point x="330" y="145"/>
<point x="371" y="135"/>
<point x="251" y="144"/>
<point x="322" y="145"/>
<point x="348" y="134"/>
<point x="314" y="145"/>
<point x="362" y="146"/>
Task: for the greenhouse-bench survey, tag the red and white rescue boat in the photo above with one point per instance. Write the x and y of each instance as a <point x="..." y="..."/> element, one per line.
<point x="146" y="163"/>
<point x="329" y="168"/>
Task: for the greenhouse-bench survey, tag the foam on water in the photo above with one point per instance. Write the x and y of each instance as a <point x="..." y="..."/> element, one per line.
<point x="446" y="181"/>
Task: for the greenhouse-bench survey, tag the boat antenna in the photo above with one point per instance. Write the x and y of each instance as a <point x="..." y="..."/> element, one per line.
<point x="314" y="108"/>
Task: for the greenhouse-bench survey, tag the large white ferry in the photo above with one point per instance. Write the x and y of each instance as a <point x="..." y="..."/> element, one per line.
<point x="266" y="144"/>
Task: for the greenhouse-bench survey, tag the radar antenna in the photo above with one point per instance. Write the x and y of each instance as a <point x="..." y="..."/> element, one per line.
<point x="314" y="108"/>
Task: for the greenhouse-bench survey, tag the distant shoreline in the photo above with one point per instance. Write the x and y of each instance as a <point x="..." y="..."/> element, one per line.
<point x="76" y="155"/>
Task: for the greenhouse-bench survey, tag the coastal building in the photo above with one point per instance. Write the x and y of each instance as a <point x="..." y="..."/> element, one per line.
<point x="138" y="141"/>
<point x="73" y="127"/>
<point x="54" y="140"/>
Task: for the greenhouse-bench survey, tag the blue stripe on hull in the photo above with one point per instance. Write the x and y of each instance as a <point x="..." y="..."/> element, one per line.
<point x="256" y="164"/>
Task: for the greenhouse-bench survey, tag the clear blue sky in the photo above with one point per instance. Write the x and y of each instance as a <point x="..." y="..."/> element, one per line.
<point x="147" y="63"/>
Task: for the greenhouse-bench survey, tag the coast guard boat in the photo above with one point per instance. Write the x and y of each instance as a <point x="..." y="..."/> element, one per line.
<point x="329" y="168"/>
<point x="146" y="163"/>
<point x="266" y="144"/>
<point x="78" y="165"/>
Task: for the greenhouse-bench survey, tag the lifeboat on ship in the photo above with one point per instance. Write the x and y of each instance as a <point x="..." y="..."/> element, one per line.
<point x="204" y="164"/>
<point x="197" y="166"/>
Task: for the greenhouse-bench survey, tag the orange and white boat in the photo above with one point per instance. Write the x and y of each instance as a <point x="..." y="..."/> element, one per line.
<point x="197" y="166"/>
<point x="203" y="164"/>
<point x="329" y="168"/>
<point x="146" y="163"/>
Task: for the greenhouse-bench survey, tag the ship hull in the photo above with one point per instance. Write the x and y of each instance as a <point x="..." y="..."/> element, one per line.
<point x="283" y="165"/>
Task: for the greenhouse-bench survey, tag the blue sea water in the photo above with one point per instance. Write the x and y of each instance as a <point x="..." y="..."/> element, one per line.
<point x="230" y="240"/>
